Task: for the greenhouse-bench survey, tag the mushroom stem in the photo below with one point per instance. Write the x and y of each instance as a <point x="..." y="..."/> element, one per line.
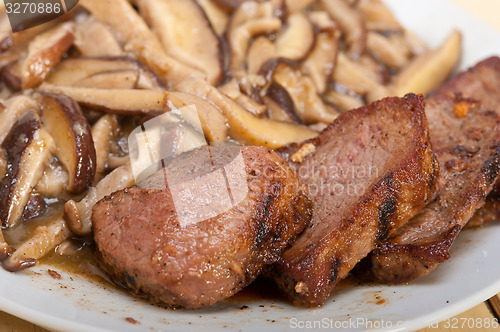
<point x="78" y="215"/>
<point x="44" y="240"/>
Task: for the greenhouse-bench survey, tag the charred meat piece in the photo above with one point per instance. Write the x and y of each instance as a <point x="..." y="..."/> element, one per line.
<point x="368" y="173"/>
<point x="465" y="135"/>
<point x="158" y="241"/>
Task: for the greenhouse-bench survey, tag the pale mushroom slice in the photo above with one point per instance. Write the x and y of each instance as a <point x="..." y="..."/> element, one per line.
<point x="5" y="249"/>
<point x="136" y="102"/>
<point x="104" y="72"/>
<point x="297" y="40"/>
<point x="232" y="90"/>
<point x="54" y="181"/>
<point x="28" y="147"/>
<point x="104" y="132"/>
<point x="92" y="38"/>
<point x="44" y="239"/>
<point x="120" y="16"/>
<point x="304" y="95"/>
<point x="320" y="64"/>
<point x="386" y="50"/>
<point x="294" y="6"/>
<point x="217" y="16"/>
<point x="428" y="70"/>
<point x="377" y="16"/>
<point x="249" y="20"/>
<point x="352" y="76"/>
<point x="186" y="34"/>
<point x="78" y="215"/>
<point x="243" y="125"/>
<point x="343" y="101"/>
<point x="44" y="52"/>
<point x="351" y="23"/>
<point x="64" y="120"/>
<point x="261" y="51"/>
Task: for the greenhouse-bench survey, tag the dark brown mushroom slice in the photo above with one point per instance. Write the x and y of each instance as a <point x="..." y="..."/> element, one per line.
<point x="282" y="99"/>
<point x="64" y="120"/>
<point x="44" y="52"/>
<point x="35" y="207"/>
<point x="186" y="34"/>
<point x="28" y="147"/>
<point x="14" y="107"/>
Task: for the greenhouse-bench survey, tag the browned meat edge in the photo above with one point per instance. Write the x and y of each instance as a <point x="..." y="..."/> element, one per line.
<point x="468" y="149"/>
<point x="390" y="135"/>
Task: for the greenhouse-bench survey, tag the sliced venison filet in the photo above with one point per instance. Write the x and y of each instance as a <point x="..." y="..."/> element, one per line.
<point x="367" y="173"/>
<point x="179" y="245"/>
<point x="464" y="125"/>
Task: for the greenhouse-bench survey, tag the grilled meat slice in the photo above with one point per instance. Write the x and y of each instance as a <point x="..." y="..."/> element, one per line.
<point x="178" y="245"/>
<point x="464" y="125"/>
<point x="489" y="212"/>
<point x="367" y="173"/>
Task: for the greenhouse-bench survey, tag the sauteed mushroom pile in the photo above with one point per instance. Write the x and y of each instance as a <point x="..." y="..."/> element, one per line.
<point x="266" y="72"/>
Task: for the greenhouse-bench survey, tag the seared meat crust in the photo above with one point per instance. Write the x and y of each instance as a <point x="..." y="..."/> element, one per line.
<point x="370" y="171"/>
<point x="146" y="248"/>
<point x="464" y="125"/>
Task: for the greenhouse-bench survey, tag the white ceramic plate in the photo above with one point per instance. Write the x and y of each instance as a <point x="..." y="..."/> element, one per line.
<point x="470" y="277"/>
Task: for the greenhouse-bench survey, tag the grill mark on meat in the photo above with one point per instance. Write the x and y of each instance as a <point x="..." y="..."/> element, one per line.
<point x="144" y="247"/>
<point x="467" y="148"/>
<point x="385" y="212"/>
<point x="391" y="136"/>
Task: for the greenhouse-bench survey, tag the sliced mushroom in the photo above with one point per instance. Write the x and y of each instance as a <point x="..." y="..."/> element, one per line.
<point x="231" y="5"/>
<point x="343" y="101"/>
<point x="350" y="22"/>
<point x="44" y="239"/>
<point x="82" y="71"/>
<point x="103" y="132"/>
<point x="294" y="6"/>
<point x="377" y="16"/>
<point x="78" y="215"/>
<point x="13" y="109"/>
<point x="54" y="181"/>
<point x="186" y="34"/>
<point x="35" y="207"/>
<point x="146" y="101"/>
<point x="126" y="79"/>
<point x="28" y="147"/>
<point x="352" y="76"/>
<point x="385" y="51"/>
<point x="261" y="51"/>
<point x="280" y="104"/>
<point x="232" y="90"/>
<point x="44" y="52"/>
<point x="320" y="63"/>
<point x="297" y="40"/>
<point x="323" y="22"/>
<point x="429" y="70"/>
<point x="217" y="16"/>
<point x="305" y="97"/>
<point x="5" y="249"/>
<point x="119" y="15"/>
<point x="93" y="38"/>
<point x="244" y="126"/>
<point x="64" y="120"/>
<point x="249" y="20"/>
